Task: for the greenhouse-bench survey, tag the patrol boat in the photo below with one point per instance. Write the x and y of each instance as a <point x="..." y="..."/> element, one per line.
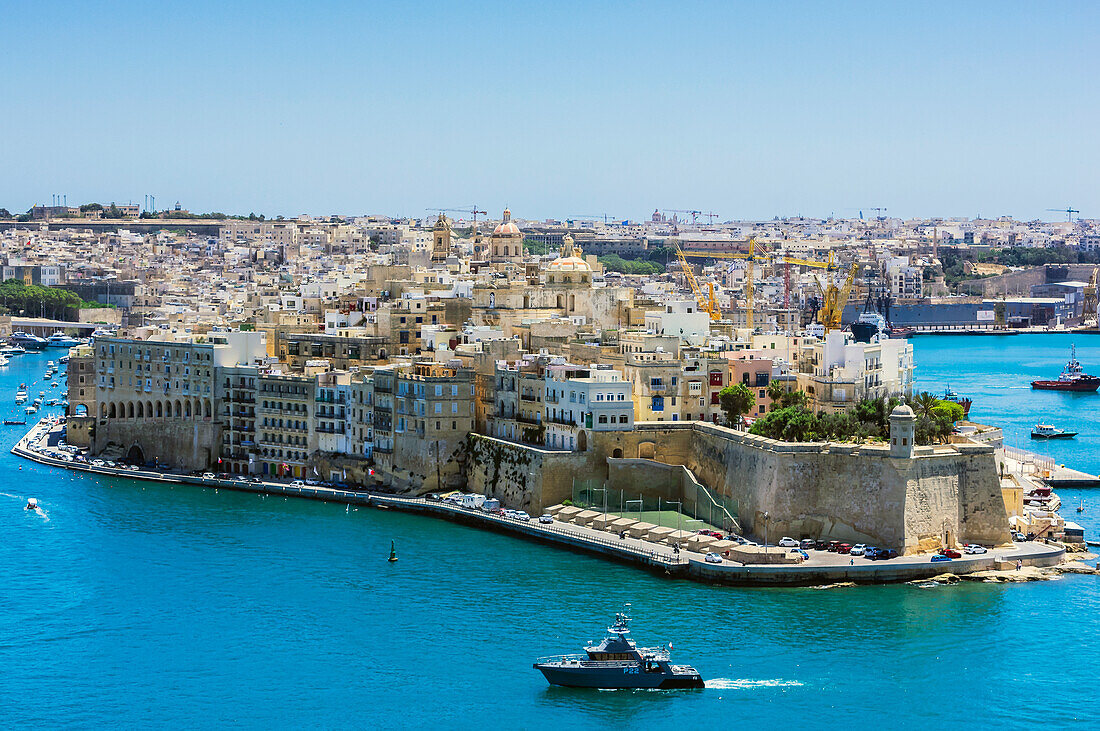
<point x="618" y="663"/>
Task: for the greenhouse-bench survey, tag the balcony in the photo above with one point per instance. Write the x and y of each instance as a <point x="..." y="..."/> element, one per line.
<point x="532" y="398"/>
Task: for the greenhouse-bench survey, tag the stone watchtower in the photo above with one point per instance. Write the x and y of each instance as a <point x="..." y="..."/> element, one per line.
<point x="903" y="429"/>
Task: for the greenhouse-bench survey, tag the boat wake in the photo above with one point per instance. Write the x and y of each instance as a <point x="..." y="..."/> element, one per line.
<point x="743" y="683"/>
<point x="37" y="511"/>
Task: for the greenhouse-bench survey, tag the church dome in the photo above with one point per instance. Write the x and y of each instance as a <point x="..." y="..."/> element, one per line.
<point x="569" y="264"/>
<point x="506" y="227"/>
<point x="570" y="259"/>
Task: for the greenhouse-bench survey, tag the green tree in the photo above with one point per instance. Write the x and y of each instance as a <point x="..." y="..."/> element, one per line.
<point x="796" y="397"/>
<point x="736" y="401"/>
<point x="5" y="213"/>
<point x="536" y="248"/>
<point x="949" y="410"/>
<point x="776" y="391"/>
<point x="923" y="403"/>
<point x="89" y="207"/>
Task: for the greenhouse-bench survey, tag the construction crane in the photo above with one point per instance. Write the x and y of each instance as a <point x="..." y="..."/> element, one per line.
<point x="691" y="213"/>
<point x="604" y="216"/>
<point x="710" y="216"/>
<point x="472" y="209"/>
<point x="833" y="300"/>
<point x="706" y="303"/>
<point x="1068" y="210"/>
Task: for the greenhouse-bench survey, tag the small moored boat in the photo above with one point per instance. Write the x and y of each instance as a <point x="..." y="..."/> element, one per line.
<point x="32" y="504"/>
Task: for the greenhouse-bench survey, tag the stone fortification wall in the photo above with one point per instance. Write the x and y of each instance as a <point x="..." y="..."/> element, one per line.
<point x="520" y="476"/>
<point x="191" y="445"/>
<point x="855" y="492"/>
<point x="851" y="492"/>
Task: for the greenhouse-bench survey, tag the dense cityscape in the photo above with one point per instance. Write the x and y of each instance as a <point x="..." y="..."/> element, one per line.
<point x="372" y="353"/>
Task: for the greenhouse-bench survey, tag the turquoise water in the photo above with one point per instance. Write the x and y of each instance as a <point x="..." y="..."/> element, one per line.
<point x="130" y="604"/>
<point x="997" y="371"/>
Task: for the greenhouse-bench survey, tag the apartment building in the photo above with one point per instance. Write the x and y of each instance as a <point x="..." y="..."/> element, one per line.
<point x="156" y="399"/>
<point x="580" y="399"/>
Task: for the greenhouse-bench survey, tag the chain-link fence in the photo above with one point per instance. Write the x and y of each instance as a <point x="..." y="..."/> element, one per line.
<point x="684" y="505"/>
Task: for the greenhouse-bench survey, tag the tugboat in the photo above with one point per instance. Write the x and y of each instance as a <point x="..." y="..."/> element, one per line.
<point x="1072" y="378"/>
<point x="618" y="663"/>
<point x="951" y="395"/>
<point x="1049" y="431"/>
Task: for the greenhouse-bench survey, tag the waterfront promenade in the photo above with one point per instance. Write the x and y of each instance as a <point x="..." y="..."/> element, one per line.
<point x="821" y="568"/>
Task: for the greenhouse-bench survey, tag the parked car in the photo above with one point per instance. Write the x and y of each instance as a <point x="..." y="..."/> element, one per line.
<point x="546" y="518"/>
<point x="739" y="540"/>
<point x="433" y="497"/>
<point x="713" y="558"/>
<point x="870" y="552"/>
<point x="208" y="475"/>
<point x="711" y="533"/>
<point x="807" y="544"/>
<point x="885" y="554"/>
<point x="951" y="553"/>
<point x="858" y="549"/>
<point x="799" y="551"/>
<point x="1018" y="536"/>
<point x="312" y="482"/>
<point x="844" y="548"/>
<point x="821" y="545"/>
<point x="974" y="548"/>
<point x="98" y="463"/>
<point x="940" y="557"/>
<point x="521" y="515"/>
<point x="787" y="542"/>
<point x="833" y="546"/>
<point x="297" y="483"/>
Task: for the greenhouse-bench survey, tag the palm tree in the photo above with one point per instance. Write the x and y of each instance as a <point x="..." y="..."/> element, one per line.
<point x="776" y="391"/>
<point x="923" y="403"/>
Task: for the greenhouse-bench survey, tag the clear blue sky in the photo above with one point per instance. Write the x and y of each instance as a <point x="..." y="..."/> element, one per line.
<point x="748" y="109"/>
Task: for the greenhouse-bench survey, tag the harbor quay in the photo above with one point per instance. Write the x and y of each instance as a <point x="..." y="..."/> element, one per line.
<point x="669" y="553"/>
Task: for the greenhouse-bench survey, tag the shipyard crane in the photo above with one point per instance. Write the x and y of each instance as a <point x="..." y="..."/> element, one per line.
<point x="833" y="300"/>
<point x="707" y="303"/>
<point x="788" y="260"/>
<point x="749" y="257"/>
<point x="1088" y="312"/>
<point x="1068" y="210"/>
<point x="712" y="215"/>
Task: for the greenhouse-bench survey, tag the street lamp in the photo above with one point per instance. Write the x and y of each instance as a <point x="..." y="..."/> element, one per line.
<point x="766" y="517"/>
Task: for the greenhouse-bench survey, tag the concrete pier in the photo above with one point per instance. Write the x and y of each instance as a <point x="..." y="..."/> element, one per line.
<point x="637" y="547"/>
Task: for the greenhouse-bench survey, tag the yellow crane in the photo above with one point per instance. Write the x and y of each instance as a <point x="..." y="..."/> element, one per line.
<point x="707" y="303"/>
<point x="833" y="300"/>
<point x="749" y="257"/>
<point x="1088" y="313"/>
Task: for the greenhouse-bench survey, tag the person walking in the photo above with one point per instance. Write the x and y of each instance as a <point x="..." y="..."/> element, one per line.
<point x="1019" y="564"/>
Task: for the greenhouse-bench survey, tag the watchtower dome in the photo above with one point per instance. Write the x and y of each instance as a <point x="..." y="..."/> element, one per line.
<point x="903" y="431"/>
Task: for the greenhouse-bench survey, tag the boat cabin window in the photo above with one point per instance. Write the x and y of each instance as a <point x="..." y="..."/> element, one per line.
<point x="611" y="656"/>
